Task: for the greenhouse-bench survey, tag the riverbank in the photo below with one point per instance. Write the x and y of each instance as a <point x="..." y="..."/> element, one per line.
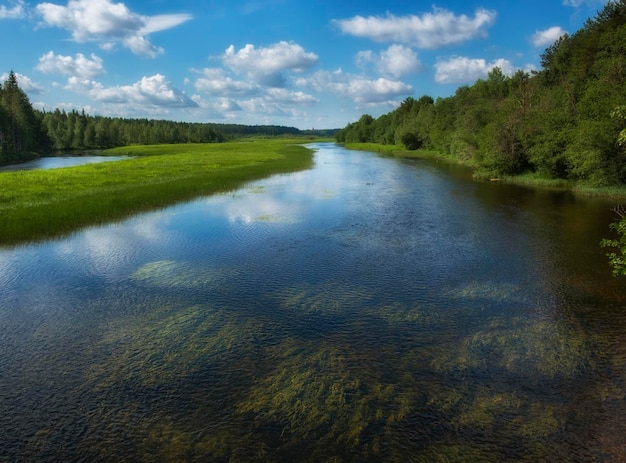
<point x="49" y="203"/>
<point x="530" y="180"/>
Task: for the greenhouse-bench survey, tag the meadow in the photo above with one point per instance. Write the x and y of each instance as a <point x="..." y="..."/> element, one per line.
<point x="40" y="204"/>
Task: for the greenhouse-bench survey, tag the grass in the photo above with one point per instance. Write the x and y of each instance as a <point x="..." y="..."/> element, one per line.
<point x="48" y="203"/>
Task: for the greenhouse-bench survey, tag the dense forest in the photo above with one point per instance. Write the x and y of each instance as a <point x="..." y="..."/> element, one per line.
<point x="562" y="121"/>
<point x="27" y="133"/>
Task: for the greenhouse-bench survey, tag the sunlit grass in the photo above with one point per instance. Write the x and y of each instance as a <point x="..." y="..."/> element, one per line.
<point x="45" y="203"/>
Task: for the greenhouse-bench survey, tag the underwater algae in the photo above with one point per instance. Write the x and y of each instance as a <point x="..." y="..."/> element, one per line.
<point x="222" y="383"/>
<point x="546" y="348"/>
<point x="180" y="274"/>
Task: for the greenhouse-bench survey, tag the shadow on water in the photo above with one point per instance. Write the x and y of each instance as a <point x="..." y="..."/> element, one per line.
<point x="388" y="311"/>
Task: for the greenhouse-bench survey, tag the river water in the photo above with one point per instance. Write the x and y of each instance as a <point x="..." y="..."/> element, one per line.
<point x="57" y="162"/>
<point x="368" y="309"/>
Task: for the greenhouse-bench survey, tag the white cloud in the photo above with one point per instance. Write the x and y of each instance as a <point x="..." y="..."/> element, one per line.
<point x="361" y="90"/>
<point x="80" y="66"/>
<point x="18" y="11"/>
<point x="547" y="37"/>
<point x="579" y="3"/>
<point x="266" y="65"/>
<point x="217" y="106"/>
<point x="231" y="95"/>
<point x="162" y="22"/>
<point x="25" y="83"/>
<point x="215" y="81"/>
<point x="284" y="96"/>
<point x="108" y="23"/>
<point x="155" y="91"/>
<point x="396" y="61"/>
<point x="461" y="69"/>
<point x="431" y="30"/>
<point x="259" y="106"/>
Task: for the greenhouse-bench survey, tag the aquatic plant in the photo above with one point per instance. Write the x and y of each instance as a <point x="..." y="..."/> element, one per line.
<point x="172" y="274"/>
<point x="492" y="291"/>
<point x="546" y="348"/>
<point x="170" y="343"/>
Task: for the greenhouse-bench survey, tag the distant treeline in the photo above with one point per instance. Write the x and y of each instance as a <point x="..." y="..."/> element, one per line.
<point x="560" y="121"/>
<point x="26" y="133"/>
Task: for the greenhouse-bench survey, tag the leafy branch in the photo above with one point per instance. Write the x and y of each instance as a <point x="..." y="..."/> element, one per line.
<point x="617" y="259"/>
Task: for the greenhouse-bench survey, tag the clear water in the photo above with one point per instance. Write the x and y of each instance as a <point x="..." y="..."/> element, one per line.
<point x="56" y="162"/>
<point x="368" y="309"/>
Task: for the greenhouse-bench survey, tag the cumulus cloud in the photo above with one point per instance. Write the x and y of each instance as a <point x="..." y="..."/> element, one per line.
<point x="284" y="96"/>
<point x="461" y="69"/>
<point x="25" y="83"/>
<point x="430" y="31"/>
<point x="266" y="65"/>
<point x="216" y="106"/>
<point x="149" y="91"/>
<point x="17" y="11"/>
<point x="108" y="23"/>
<point x="81" y="66"/>
<point x="396" y="61"/>
<point x="215" y="81"/>
<point x="228" y="95"/>
<point x="361" y="90"/>
<point x="547" y="37"/>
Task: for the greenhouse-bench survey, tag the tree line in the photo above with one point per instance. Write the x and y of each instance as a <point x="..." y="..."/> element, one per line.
<point x="560" y="121"/>
<point x="27" y="133"/>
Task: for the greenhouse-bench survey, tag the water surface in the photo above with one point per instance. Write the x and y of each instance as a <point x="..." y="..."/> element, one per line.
<point x="369" y="309"/>
<point x="56" y="162"/>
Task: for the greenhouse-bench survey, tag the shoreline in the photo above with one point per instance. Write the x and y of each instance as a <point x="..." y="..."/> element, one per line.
<point x="44" y="204"/>
<point x="530" y="180"/>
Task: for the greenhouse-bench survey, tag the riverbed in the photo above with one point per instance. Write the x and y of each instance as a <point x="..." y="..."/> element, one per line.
<point x="368" y="309"/>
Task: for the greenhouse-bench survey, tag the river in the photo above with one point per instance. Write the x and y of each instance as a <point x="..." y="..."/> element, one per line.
<point x="368" y="309"/>
<point x="57" y="162"/>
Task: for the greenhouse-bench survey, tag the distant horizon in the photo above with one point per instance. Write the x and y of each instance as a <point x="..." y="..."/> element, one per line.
<point x="276" y="62"/>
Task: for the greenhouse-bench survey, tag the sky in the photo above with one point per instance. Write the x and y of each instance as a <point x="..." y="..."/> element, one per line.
<point x="300" y="63"/>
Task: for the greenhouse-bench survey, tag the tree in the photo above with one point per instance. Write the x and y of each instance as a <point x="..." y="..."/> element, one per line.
<point x="617" y="258"/>
<point x="21" y="132"/>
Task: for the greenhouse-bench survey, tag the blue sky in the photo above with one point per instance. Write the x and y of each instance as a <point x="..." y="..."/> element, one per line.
<point x="306" y="64"/>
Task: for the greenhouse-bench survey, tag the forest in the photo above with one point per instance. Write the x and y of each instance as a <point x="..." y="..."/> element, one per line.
<point x="560" y="122"/>
<point x="27" y="133"/>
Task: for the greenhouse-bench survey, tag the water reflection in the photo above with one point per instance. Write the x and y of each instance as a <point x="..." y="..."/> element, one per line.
<point x="366" y="310"/>
<point x="56" y="162"/>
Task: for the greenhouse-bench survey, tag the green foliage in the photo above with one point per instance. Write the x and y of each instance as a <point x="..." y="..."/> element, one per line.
<point x="26" y="133"/>
<point x="561" y="122"/>
<point x="617" y="257"/>
<point x="22" y="135"/>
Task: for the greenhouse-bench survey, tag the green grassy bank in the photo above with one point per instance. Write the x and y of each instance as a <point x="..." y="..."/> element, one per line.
<point x="48" y="203"/>
<point x="531" y="180"/>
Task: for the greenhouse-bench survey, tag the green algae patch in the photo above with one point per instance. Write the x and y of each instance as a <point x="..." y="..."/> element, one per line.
<point x="317" y="395"/>
<point x="170" y="344"/>
<point x="328" y="299"/>
<point x="491" y="291"/>
<point x="542" y="348"/>
<point x="173" y="274"/>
